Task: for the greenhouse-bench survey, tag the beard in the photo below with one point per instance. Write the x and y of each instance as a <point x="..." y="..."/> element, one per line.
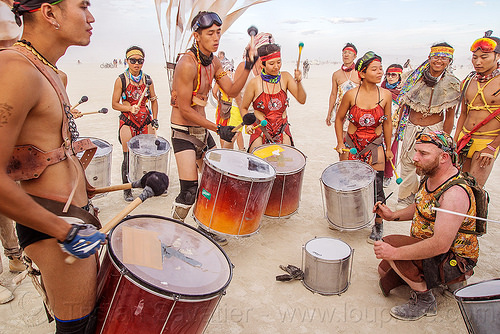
<point x="429" y="170"/>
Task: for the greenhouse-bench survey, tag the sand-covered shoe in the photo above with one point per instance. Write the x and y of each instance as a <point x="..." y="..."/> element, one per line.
<point x="16" y="265"/>
<point x="5" y="295"/>
<point x="420" y="304"/>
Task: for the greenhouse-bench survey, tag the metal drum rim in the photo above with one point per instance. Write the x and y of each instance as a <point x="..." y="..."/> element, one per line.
<point x="329" y="261"/>
<point x="477" y="299"/>
<point x="150" y="287"/>
<point x="346" y="191"/>
<point x="325" y="293"/>
<point x="236" y="177"/>
<point x="89" y="137"/>
<point x="290" y="172"/>
<point x="169" y="146"/>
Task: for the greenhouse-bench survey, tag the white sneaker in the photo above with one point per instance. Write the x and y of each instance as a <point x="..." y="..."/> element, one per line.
<point x="5" y="295"/>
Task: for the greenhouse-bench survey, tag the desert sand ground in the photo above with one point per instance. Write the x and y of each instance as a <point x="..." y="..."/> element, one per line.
<point x="255" y="302"/>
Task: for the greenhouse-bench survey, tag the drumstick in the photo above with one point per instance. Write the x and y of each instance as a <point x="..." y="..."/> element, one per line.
<point x="252" y="31"/>
<point x="385" y="199"/>
<point x="398" y="179"/>
<point x="352" y="150"/>
<point x="146" y="193"/>
<point x="82" y="100"/>
<point x="248" y="119"/>
<point x="262" y="123"/>
<point x="301" y="45"/>
<point x="148" y="83"/>
<point x="464" y="215"/>
<point x="101" y="111"/>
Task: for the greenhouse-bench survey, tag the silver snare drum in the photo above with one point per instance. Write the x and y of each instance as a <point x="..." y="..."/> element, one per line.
<point x="147" y="153"/>
<point x="348" y="194"/>
<point x="327" y="265"/>
<point x="98" y="172"/>
<point x="480" y="306"/>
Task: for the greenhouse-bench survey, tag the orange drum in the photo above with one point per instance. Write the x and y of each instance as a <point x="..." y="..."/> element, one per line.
<point x="233" y="192"/>
<point x="289" y="163"/>
<point x="159" y="276"/>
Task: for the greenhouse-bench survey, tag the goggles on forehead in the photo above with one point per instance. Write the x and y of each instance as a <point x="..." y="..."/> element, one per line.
<point x="206" y="21"/>
<point x="485" y="44"/>
<point x="438" y="138"/>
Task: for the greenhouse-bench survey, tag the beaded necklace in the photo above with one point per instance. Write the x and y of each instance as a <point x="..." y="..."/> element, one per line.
<point x="24" y="43"/>
<point x="485" y="78"/>
<point x="270" y="78"/>
<point x="133" y="78"/>
<point x="348" y="68"/>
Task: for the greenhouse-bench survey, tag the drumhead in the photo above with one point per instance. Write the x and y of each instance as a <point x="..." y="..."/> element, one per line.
<point x="285" y="159"/>
<point x="193" y="265"/>
<point x="348" y="175"/>
<point x="103" y="147"/>
<point x="240" y="164"/>
<point x="148" y="145"/>
<point x="328" y="249"/>
<point x="485" y="290"/>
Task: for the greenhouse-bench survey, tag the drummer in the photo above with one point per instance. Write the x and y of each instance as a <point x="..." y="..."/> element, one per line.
<point x="33" y="113"/>
<point x="442" y="248"/>
<point x="190" y="137"/>
<point x="135" y="119"/>
<point x="268" y="95"/>
<point x="370" y="126"/>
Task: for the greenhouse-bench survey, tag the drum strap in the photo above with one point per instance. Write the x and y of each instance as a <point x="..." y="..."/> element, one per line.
<point x="179" y="134"/>
<point x="372" y="146"/>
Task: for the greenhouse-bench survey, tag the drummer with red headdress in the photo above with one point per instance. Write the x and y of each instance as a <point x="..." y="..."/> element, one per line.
<point x="268" y="95"/>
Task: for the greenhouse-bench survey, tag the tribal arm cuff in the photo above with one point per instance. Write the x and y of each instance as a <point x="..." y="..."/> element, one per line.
<point x="220" y="75"/>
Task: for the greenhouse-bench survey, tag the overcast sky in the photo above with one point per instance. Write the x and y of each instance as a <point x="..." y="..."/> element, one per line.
<point x="396" y="29"/>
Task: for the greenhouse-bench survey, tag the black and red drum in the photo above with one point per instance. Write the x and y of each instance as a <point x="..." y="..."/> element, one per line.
<point x="289" y="164"/>
<point x="233" y="192"/>
<point x="179" y="298"/>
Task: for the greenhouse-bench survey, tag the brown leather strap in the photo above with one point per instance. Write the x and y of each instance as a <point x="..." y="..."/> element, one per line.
<point x="57" y="208"/>
<point x="190" y="138"/>
<point x="28" y="161"/>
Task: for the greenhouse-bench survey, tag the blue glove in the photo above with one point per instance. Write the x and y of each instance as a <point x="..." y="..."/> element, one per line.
<point x="82" y="240"/>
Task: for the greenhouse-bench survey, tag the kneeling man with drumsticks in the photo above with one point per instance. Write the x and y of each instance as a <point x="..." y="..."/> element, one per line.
<point x="442" y="248"/>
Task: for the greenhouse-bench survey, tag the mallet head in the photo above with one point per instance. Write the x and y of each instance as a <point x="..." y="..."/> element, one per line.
<point x="252" y="31"/>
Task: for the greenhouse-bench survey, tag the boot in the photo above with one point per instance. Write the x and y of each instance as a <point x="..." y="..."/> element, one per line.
<point x="216" y="237"/>
<point x="127" y="194"/>
<point x="16" y="265"/>
<point x="180" y="211"/>
<point x="5" y="295"/>
<point x="419" y="305"/>
<point x="376" y="235"/>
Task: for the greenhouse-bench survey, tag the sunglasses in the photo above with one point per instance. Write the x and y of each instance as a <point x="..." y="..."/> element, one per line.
<point x="206" y="21"/>
<point x="485" y="44"/>
<point x="139" y="61"/>
<point x="442" y="58"/>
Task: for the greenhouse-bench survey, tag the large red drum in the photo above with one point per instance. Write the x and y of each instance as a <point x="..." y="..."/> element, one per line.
<point x="233" y="192"/>
<point x="289" y="164"/>
<point x="179" y="296"/>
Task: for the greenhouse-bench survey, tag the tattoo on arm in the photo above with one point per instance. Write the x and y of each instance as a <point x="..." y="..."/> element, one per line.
<point x="5" y="113"/>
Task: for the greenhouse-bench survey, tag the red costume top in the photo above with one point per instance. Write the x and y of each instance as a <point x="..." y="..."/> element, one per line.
<point x="365" y="121"/>
<point x="273" y="106"/>
<point x="137" y="122"/>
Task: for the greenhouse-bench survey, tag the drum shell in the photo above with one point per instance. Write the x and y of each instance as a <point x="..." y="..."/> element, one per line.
<point x="349" y="209"/>
<point x="287" y="187"/>
<point x="231" y="204"/>
<point x="140" y="163"/>
<point x="480" y="314"/>
<point x="98" y="171"/>
<point x="326" y="277"/>
<point x="128" y="305"/>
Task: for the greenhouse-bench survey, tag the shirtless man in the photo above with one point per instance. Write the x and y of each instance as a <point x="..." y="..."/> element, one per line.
<point x="427" y="102"/>
<point x="191" y="85"/>
<point x="482" y="97"/>
<point x="33" y="110"/>
<point x="342" y="81"/>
